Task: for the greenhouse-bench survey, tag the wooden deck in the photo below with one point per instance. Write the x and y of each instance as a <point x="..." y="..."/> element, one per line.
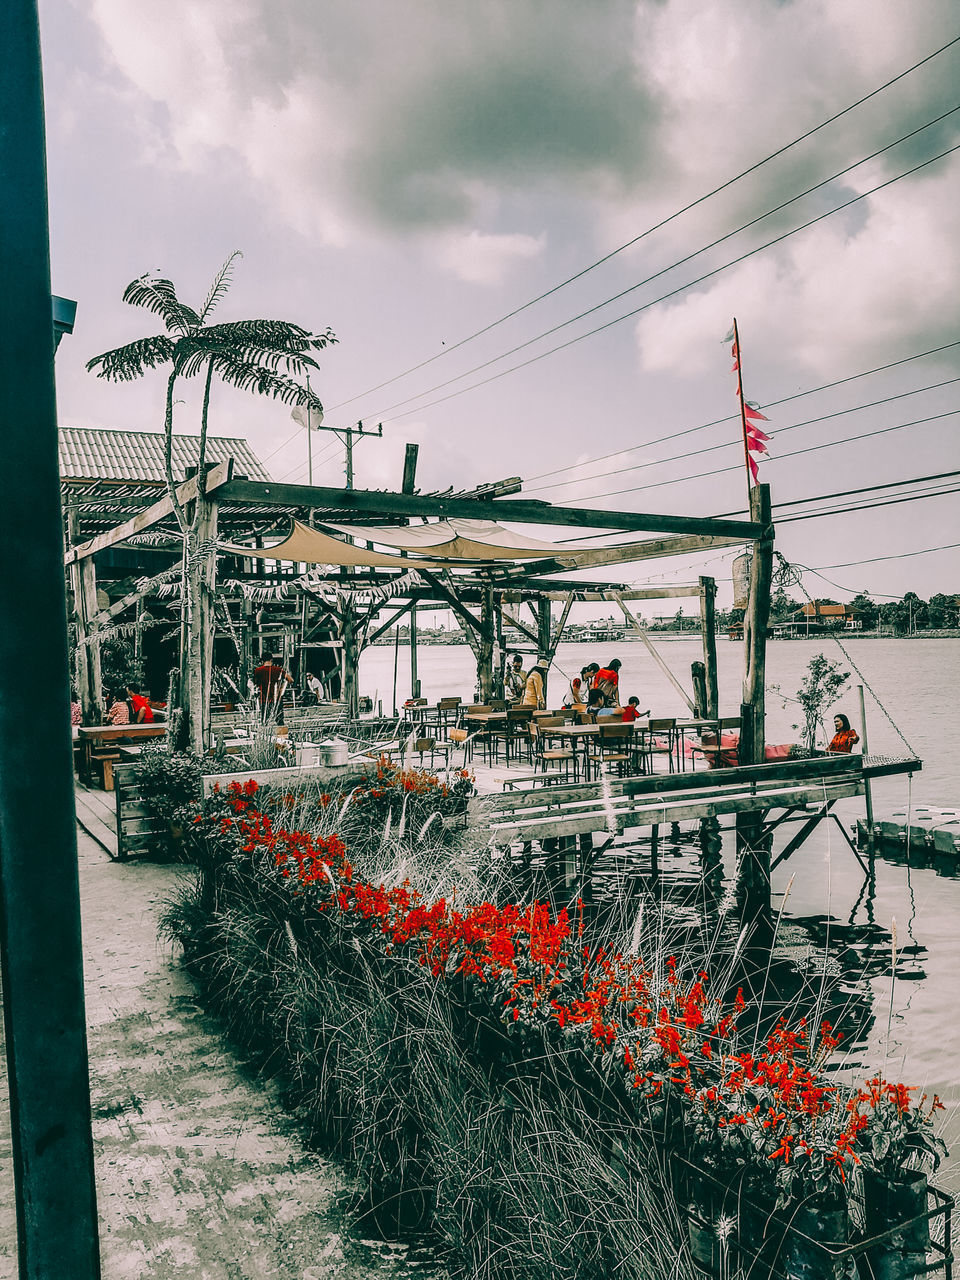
<point x="615" y="804"/>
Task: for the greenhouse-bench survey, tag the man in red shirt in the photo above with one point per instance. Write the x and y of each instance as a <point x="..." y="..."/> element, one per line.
<point x="140" y="706"/>
<point x="271" y="681"/>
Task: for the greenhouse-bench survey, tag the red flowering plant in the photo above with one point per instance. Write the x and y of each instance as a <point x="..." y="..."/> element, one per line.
<point x="898" y="1129"/>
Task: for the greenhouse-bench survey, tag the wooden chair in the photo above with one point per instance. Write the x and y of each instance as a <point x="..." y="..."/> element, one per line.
<point x="422" y="745"/>
<point x="661" y="740"/>
<point x="545" y="757"/>
<point x="612" y="745"/>
<point x="455" y="739"/>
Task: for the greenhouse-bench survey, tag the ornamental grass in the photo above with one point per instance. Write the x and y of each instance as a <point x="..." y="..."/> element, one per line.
<point x="493" y="1073"/>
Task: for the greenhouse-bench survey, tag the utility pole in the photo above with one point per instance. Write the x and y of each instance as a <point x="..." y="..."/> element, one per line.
<point x="409" y="483"/>
<point x="40" y="945"/>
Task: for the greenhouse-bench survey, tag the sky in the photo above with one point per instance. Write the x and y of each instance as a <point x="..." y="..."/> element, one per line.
<point x="416" y="175"/>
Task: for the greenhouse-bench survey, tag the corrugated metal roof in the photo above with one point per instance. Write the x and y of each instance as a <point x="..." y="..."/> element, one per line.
<point x="101" y="453"/>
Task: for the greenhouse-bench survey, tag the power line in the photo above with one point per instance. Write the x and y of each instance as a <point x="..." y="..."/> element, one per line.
<point x="869" y="506"/>
<point x="903" y="555"/>
<point x="522" y="346"/>
<point x="735" y="417"/>
<point x="719" y="471"/>
<point x="846" y="493"/>
<point x="656" y="227"/>
<point x="708" y="275"/>
<point x="727" y="444"/>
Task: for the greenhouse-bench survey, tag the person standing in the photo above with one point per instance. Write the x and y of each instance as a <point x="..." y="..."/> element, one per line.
<point x="271" y="680"/>
<point x="607" y="680"/>
<point x="535" y="690"/>
<point x="514" y="679"/>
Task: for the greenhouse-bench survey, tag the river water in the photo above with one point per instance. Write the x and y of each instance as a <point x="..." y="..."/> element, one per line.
<point x="902" y="1018"/>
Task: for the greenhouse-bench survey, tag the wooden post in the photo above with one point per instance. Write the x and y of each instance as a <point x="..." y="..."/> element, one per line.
<point x="205" y="597"/>
<point x="83" y="577"/>
<point x="753" y="847"/>
<point x="409" y="481"/>
<point x="752" y="710"/>
<point x="698" y="677"/>
<point x="351" y="654"/>
<point x="708" y="624"/>
<point x="485" y="662"/>
<point x="867" y="792"/>
<point x="40" y="946"/>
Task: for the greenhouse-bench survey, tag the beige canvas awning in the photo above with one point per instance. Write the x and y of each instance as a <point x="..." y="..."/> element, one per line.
<point x="449" y="544"/>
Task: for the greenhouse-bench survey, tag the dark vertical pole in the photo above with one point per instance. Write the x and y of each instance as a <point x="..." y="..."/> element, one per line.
<point x="708" y="625"/>
<point x="753" y="846"/>
<point x="40" y="949"/>
<point x="409" y="482"/>
<point x="485" y="663"/>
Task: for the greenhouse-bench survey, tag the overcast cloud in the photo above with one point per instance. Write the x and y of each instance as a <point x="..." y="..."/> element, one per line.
<point x="408" y="172"/>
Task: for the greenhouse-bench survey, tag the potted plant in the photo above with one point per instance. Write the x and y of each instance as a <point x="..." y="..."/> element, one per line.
<point x="900" y="1151"/>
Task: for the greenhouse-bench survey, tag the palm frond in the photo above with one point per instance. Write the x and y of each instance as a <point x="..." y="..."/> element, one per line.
<point x="264" y="382"/>
<point x="160" y="296"/>
<point x="279" y="335"/>
<point x="220" y="286"/>
<point x="125" y="364"/>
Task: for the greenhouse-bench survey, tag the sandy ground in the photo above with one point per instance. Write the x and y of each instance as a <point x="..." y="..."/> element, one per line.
<point x="200" y="1175"/>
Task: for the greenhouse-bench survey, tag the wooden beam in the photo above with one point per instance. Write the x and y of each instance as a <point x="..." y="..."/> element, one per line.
<point x="752" y="711"/>
<point x="375" y="635"/>
<point x="653" y="549"/>
<point x="595" y="595"/>
<point x="365" y="502"/>
<point x="473" y="625"/>
<point x="218" y="476"/>
<point x="520" y="626"/>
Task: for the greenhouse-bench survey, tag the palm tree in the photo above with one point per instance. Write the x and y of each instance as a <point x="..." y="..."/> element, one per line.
<point x="263" y="356"/>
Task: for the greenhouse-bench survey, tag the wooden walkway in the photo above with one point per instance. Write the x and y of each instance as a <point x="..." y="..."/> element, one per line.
<point x="96" y="814"/>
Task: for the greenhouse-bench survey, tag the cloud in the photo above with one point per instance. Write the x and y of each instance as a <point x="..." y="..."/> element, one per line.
<point x="375" y="116"/>
<point x="483" y="259"/>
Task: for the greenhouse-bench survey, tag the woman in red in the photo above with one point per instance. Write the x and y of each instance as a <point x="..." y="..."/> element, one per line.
<point x="845" y="738"/>
<point x="140" y="710"/>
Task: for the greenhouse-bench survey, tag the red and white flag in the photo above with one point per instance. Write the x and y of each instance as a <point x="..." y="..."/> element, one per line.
<point x="754" y="440"/>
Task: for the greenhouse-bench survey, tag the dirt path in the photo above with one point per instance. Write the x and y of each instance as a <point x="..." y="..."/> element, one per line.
<point x="200" y="1176"/>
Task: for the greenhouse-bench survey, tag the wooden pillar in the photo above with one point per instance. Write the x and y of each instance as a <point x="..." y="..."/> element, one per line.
<point x="414" y="674"/>
<point x="708" y="624"/>
<point x="351" y="656"/>
<point x="206" y="596"/>
<point x="51" y="1155"/>
<point x="753" y="845"/>
<point x="698" y="676"/>
<point x="88" y="647"/>
<point x="752" y="709"/>
<point x="485" y="658"/>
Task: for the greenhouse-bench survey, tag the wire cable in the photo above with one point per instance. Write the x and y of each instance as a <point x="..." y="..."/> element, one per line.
<point x="727" y="444"/>
<point x="729" y="235"/>
<point x="869" y="506"/>
<point x="708" y="275"/>
<point x="656" y="227"/>
<point x="719" y="471"/>
<point x="845" y="493"/>
<point x="735" y="417"/>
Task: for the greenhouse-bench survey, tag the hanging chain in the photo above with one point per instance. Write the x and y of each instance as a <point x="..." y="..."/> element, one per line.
<point x="788" y="570"/>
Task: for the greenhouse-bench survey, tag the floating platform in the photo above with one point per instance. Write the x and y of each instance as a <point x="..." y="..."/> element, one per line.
<point x="933" y="835"/>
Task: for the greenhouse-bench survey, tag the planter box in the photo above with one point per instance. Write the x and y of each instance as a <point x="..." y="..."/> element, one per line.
<point x="321" y="777"/>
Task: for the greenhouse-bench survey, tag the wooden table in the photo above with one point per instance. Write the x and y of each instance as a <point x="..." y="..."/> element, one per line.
<point x="104" y="734"/>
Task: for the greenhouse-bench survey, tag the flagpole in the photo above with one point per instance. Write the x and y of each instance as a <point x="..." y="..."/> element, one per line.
<point x="743" y="410"/>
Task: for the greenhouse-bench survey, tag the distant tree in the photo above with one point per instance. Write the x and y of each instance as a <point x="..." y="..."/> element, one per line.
<point x="253" y="355"/>
<point x="865" y="609"/>
<point x="783" y="608"/>
<point x="942" y="611"/>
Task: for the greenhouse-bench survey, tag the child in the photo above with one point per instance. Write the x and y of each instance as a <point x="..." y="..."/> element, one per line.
<point x="630" y="711"/>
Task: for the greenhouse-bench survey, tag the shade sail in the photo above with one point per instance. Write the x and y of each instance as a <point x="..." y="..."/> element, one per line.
<point x="464" y="544"/>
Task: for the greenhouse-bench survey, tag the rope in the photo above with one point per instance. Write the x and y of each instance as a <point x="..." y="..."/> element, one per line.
<point x="788" y="570"/>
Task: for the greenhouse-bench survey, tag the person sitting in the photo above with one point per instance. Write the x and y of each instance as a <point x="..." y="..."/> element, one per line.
<point x="314" y="688"/>
<point x="141" y="711"/>
<point x="514" y="679"/>
<point x="580" y="686"/>
<point x="118" y="711"/>
<point x="607" y="680"/>
<point x="534" y="693"/>
<point x="631" y="711"/>
<point x="845" y="738"/>
<point x="76" y="712"/>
